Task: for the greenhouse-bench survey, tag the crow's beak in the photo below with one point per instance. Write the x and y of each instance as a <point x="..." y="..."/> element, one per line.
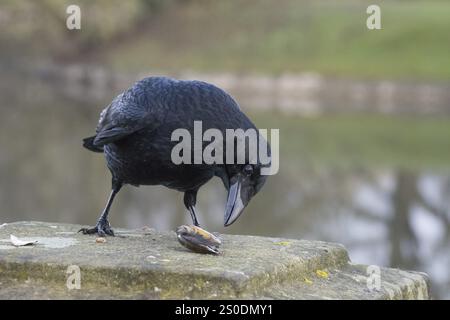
<point x="237" y="199"/>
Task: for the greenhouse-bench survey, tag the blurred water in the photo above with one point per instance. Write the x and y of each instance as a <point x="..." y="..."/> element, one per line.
<point x="389" y="216"/>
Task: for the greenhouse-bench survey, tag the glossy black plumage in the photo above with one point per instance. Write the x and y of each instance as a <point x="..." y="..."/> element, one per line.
<point x="134" y="132"/>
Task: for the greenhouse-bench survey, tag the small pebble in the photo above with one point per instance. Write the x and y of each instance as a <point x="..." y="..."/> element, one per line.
<point x="100" y="240"/>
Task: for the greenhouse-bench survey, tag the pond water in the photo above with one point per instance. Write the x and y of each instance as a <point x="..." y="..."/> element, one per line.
<point x="390" y="216"/>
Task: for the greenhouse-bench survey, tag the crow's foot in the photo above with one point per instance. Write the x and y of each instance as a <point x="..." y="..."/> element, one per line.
<point x="102" y="228"/>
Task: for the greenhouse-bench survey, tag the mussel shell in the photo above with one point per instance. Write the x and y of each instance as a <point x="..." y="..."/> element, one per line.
<point x="198" y="240"/>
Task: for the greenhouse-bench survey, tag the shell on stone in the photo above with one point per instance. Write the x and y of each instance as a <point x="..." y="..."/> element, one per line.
<point x="198" y="240"/>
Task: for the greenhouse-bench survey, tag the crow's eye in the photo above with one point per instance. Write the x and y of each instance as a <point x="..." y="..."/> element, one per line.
<point x="248" y="169"/>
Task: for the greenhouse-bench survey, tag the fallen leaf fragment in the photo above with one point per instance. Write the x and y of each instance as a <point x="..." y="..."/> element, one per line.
<point x="20" y="243"/>
<point x="322" y="274"/>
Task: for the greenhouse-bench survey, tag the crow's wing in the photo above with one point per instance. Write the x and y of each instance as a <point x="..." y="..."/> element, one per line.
<point x="88" y="143"/>
<point x="118" y="120"/>
<point x="137" y="108"/>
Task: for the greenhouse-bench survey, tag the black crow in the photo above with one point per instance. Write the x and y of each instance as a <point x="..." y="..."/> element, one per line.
<point x="134" y="133"/>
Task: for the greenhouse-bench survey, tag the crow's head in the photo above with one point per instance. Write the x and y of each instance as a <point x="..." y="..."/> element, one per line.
<point x="244" y="181"/>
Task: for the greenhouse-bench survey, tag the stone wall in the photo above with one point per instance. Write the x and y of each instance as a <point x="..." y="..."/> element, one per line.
<point x="148" y="264"/>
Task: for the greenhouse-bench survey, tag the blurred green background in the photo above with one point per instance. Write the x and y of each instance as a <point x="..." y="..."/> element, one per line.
<point x="238" y="36"/>
<point x="364" y="115"/>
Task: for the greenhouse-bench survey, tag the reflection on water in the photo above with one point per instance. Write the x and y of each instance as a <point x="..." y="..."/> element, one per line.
<point x="389" y="217"/>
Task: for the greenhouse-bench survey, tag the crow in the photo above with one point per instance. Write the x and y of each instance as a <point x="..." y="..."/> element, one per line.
<point x="135" y="134"/>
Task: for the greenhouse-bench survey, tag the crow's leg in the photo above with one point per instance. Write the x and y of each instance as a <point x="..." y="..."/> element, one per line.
<point x="103" y="227"/>
<point x="190" y="198"/>
<point x="193" y="216"/>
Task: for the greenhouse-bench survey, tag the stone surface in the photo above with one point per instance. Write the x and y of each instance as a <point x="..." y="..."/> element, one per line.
<point x="153" y="265"/>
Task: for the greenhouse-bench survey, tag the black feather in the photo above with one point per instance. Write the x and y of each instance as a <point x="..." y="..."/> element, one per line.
<point x="88" y="143"/>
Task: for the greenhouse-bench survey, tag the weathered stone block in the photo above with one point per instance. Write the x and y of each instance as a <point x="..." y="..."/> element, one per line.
<point x="151" y="264"/>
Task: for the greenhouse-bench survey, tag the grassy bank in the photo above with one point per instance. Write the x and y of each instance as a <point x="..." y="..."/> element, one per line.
<point x="261" y="36"/>
<point x="294" y="36"/>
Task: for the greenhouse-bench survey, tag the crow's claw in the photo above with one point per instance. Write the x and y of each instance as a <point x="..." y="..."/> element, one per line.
<point x="102" y="229"/>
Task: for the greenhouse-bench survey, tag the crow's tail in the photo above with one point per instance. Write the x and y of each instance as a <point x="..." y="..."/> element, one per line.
<point x="88" y="143"/>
